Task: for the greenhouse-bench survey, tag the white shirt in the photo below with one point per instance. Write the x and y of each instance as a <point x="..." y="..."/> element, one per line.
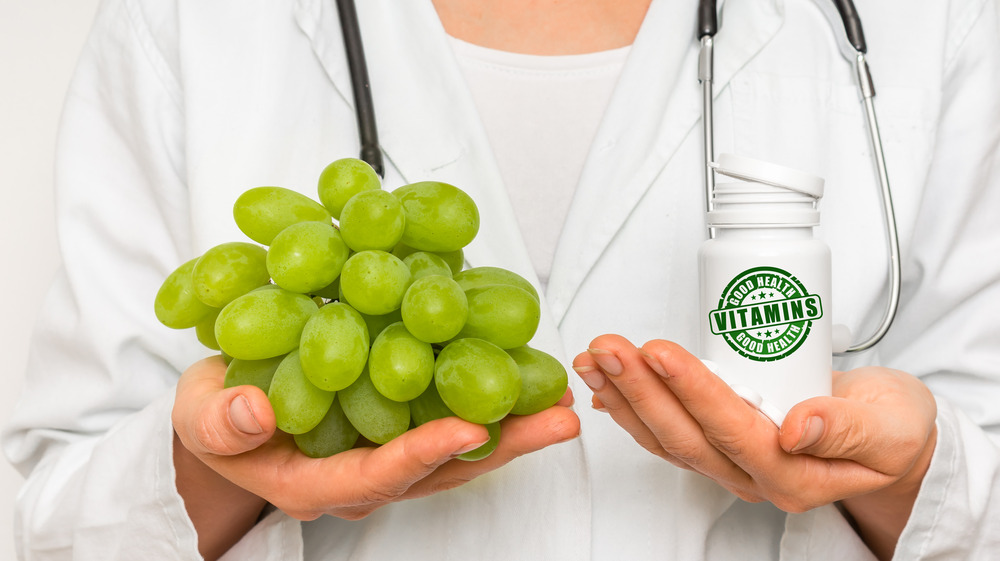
<point x="178" y="107"/>
<point x="559" y="101"/>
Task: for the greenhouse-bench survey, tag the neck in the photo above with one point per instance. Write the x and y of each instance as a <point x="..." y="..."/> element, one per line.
<point x="544" y="27"/>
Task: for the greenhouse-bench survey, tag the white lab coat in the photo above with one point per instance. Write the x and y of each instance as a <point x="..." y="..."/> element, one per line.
<point x="179" y="106"/>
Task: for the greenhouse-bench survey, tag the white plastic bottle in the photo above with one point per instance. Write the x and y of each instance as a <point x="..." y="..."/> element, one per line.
<point x="765" y="286"/>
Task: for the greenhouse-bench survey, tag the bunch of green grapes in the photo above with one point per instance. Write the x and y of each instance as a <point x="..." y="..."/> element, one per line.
<point x="355" y="316"/>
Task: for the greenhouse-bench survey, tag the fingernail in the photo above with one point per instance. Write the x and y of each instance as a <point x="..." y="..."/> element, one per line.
<point x="568" y="438"/>
<point x="811" y="433"/>
<point x="607" y="360"/>
<point x="242" y="417"/>
<point x="471" y="447"/>
<point x="591" y="376"/>
<point x="654" y="363"/>
<point x="600" y="409"/>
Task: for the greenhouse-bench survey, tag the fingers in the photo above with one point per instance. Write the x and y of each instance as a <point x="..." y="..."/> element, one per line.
<point x="422" y="461"/>
<point x="639" y="400"/>
<point x="595" y="368"/>
<point x="718" y="410"/>
<point x="567" y="399"/>
<point x="519" y="435"/>
<point x="210" y="419"/>
<point x="737" y="430"/>
<point x="391" y="469"/>
<point x="523" y="435"/>
<point x="354" y="483"/>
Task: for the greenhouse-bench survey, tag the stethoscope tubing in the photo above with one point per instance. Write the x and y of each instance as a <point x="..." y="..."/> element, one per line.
<point x="371" y="151"/>
<point x="889" y="216"/>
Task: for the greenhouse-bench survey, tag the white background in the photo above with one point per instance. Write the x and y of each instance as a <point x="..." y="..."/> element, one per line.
<point x="40" y="41"/>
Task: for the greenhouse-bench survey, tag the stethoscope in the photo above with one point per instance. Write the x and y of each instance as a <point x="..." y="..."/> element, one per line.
<point x="851" y="43"/>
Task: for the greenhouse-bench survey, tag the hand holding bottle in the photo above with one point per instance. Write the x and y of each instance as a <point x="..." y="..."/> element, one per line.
<point x="868" y="446"/>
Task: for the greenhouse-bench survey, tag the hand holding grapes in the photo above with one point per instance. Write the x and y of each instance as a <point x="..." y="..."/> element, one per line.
<point x="232" y="432"/>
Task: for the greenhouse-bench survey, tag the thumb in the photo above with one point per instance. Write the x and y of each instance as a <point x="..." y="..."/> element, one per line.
<point x="831" y="427"/>
<point x="210" y="419"/>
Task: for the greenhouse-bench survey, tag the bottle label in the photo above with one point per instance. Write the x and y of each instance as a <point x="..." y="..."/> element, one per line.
<point x="765" y="314"/>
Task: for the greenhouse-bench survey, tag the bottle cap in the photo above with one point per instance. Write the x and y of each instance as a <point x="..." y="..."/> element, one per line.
<point x="749" y="169"/>
<point x="763" y="195"/>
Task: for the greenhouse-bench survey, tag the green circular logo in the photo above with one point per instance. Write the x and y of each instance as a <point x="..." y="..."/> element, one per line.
<point x="765" y="314"/>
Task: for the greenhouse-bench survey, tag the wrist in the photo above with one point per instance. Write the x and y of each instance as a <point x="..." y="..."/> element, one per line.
<point x="220" y="510"/>
<point x="880" y="516"/>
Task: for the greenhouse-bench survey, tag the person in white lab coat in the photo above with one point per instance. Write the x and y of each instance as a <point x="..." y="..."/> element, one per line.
<point x="178" y="107"/>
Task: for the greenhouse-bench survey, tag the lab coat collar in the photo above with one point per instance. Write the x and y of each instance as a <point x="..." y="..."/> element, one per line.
<point x="648" y="118"/>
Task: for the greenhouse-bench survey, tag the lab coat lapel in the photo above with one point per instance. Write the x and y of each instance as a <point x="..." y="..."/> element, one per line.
<point x="649" y="116"/>
<point x="428" y="124"/>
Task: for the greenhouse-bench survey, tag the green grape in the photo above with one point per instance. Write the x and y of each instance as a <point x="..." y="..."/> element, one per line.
<point x="400" y="365"/>
<point x="435" y="309"/>
<point x="483" y="276"/>
<point x="374" y="281"/>
<point x="372" y="219"/>
<point x="334" y="346"/>
<point x="205" y="330"/>
<point x="504" y="315"/>
<point x="454" y="259"/>
<point x="298" y="405"/>
<point x="262" y="212"/>
<point x="306" y="257"/>
<point x="333" y="435"/>
<point x="486" y="449"/>
<point x="402" y="250"/>
<point x="425" y="263"/>
<point x="429" y="406"/>
<point x="229" y="270"/>
<point x="267" y="286"/>
<point x="330" y="291"/>
<point x="479" y="381"/>
<point x="543" y="380"/>
<point x="377" y="418"/>
<point x="439" y="216"/>
<point x="263" y="323"/>
<point x="252" y="372"/>
<point x="342" y="179"/>
<point x="377" y="323"/>
<point x="176" y="305"/>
